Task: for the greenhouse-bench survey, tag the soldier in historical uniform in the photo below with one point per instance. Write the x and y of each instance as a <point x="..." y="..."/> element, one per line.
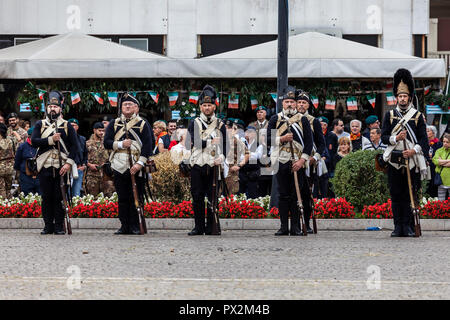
<point x="96" y="181"/>
<point x="49" y="135"/>
<point x="15" y="132"/>
<point x="140" y="141"/>
<point x="315" y="165"/>
<point x="404" y="125"/>
<point x="208" y="145"/>
<point x="289" y="127"/>
<point x="236" y="157"/>
<point x="6" y="162"/>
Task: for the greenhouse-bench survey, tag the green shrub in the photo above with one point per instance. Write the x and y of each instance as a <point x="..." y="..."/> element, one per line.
<point x="356" y="180"/>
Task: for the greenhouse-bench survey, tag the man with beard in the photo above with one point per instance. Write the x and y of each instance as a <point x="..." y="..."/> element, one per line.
<point x="54" y="137"/>
<point x="289" y="129"/>
<point x="315" y="166"/>
<point x="208" y="145"/>
<point x="96" y="182"/>
<point x="15" y="132"/>
<point x="404" y="125"/>
<point x="140" y="141"/>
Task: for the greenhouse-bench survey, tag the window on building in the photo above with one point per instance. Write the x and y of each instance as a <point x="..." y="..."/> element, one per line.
<point x="368" y="39"/>
<point x="18" y="41"/>
<point x="141" y="44"/>
<point x="215" y="44"/>
<point x="443" y="32"/>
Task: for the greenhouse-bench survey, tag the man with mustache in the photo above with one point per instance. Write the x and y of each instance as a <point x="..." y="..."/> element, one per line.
<point x="404" y="123"/>
<point x="48" y="135"/>
<point x="289" y="128"/>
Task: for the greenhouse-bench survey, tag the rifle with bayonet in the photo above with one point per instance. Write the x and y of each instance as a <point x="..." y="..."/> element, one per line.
<point x="215" y="227"/>
<point x="65" y="203"/>
<point x="415" y="210"/>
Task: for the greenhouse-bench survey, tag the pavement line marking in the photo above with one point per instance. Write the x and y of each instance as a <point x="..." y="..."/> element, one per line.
<point x="129" y="279"/>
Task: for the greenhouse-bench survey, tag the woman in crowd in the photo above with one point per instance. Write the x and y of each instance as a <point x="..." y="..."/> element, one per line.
<point x="435" y="144"/>
<point x="344" y="148"/>
<point x="442" y="161"/>
<point x="162" y="139"/>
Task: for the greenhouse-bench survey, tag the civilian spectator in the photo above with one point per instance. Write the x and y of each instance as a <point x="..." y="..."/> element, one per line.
<point x="375" y="140"/>
<point x="442" y="162"/>
<point x="435" y="144"/>
<point x="358" y="141"/>
<point x="28" y="184"/>
<point x="338" y="129"/>
<point x="82" y="160"/>
<point x="162" y="139"/>
<point x="344" y="149"/>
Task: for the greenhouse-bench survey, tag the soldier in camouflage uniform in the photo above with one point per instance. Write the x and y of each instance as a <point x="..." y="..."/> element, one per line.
<point x="15" y="132"/>
<point x="236" y="157"/>
<point x="6" y="162"/>
<point x="96" y="181"/>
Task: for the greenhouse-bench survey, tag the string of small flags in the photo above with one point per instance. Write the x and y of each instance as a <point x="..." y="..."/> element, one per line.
<point x="233" y="99"/>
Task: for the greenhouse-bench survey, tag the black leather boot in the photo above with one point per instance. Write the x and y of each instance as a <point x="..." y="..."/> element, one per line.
<point x="397" y="231"/>
<point x="196" y="232"/>
<point x="48" y="230"/>
<point x="407" y="231"/>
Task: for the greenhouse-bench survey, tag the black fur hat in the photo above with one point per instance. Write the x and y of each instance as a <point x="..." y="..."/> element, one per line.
<point x="403" y="82"/>
<point x="208" y="95"/>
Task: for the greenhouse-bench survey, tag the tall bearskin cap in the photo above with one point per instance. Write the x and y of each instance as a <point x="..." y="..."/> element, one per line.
<point x="208" y="95"/>
<point x="403" y="82"/>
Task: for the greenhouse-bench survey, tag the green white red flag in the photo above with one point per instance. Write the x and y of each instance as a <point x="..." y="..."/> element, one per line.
<point x="97" y="97"/>
<point x="75" y="96"/>
<point x="173" y="97"/>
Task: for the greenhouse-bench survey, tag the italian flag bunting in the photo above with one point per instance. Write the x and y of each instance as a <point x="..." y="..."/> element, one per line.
<point x="112" y="97"/>
<point x="75" y="96"/>
<point x="154" y="95"/>
<point x="41" y="94"/>
<point x="315" y="101"/>
<point x="173" y="97"/>
<point x="330" y="104"/>
<point x="274" y="96"/>
<point x="97" y="97"/>
<point x="193" y="97"/>
<point x="352" y="105"/>
<point x="426" y="90"/>
<point x="217" y="102"/>
<point x="253" y="102"/>
<point x="233" y="103"/>
<point x="372" y="100"/>
<point x="390" y="99"/>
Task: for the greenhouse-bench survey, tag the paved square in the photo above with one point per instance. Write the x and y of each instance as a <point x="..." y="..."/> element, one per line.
<point x="167" y="264"/>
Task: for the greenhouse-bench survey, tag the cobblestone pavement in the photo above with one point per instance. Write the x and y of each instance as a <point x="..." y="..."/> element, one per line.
<point x="236" y="265"/>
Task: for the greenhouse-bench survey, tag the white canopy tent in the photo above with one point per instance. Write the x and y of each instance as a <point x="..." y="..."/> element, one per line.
<point x="76" y="55"/>
<point x="311" y="55"/>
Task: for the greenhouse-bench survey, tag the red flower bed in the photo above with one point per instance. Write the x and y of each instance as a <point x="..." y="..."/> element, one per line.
<point x="436" y="210"/>
<point x="95" y="210"/>
<point x="333" y="209"/>
<point x="229" y="208"/>
<point x="378" y="211"/>
<point x="21" y="210"/>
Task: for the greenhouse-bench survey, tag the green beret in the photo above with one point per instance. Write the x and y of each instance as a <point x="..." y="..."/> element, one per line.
<point x="73" y="120"/>
<point x="323" y="119"/>
<point x="371" y="119"/>
<point x="261" y="108"/>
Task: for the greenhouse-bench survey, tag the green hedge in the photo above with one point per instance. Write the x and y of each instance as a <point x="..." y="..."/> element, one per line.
<point x="356" y="179"/>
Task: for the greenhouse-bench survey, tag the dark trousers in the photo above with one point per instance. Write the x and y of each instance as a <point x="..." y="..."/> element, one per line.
<point x="287" y="195"/>
<point x="128" y="214"/>
<point x="306" y="200"/>
<point x="321" y="187"/>
<point x="264" y="185"/>
<point x="201" y="186"/>
<point x="248" y="183"/>
<point x="399" y="190"/>
<point x="28" y="184"/>
<point x="52" y="209"/>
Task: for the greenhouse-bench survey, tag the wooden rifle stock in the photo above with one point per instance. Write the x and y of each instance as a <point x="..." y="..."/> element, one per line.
<point x="67" y="225"/>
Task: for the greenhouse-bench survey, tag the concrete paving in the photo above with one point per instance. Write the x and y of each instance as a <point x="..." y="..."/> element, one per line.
<point x="252" y="264"/>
